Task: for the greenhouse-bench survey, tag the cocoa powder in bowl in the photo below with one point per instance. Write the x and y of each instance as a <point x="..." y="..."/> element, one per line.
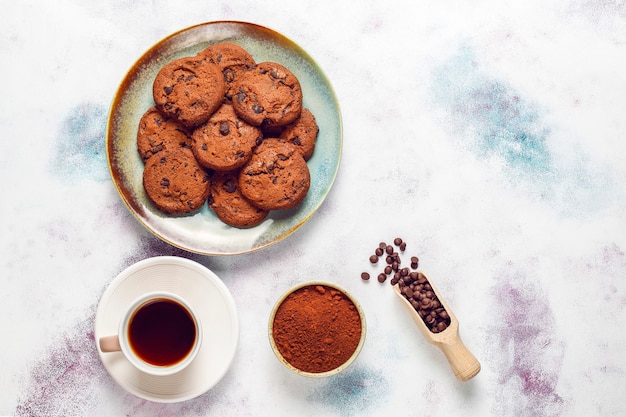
<point x="316" y="329"/>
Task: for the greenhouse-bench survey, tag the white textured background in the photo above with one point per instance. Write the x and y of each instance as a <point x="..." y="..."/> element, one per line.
<point x="490" y="136"/>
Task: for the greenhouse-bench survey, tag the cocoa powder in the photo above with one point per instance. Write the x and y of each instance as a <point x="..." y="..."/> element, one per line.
<point x="316" y="328"/>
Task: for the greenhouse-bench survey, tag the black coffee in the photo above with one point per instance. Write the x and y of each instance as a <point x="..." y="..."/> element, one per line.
<point x="162" y="332"/>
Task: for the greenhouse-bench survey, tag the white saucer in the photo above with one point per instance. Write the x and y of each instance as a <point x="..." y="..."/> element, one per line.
<point x="208" y="296"/>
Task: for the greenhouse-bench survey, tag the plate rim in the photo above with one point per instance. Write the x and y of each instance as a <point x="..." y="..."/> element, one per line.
<point x="131" y="75"/>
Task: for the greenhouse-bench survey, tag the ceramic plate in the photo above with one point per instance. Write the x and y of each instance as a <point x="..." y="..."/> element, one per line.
<point x="202" y="232"/>
<point x="206" y="294"/>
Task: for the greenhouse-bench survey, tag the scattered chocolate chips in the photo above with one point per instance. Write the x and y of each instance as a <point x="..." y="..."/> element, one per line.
<point x="414" y="285"/>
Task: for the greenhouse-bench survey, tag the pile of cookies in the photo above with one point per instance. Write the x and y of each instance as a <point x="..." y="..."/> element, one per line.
<point x="229" y="132"/>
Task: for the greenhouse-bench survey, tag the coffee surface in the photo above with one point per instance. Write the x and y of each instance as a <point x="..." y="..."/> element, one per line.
<point x="162" y="332"/>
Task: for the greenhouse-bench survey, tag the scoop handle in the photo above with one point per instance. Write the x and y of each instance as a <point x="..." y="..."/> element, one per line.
<point x="462" y="361"/>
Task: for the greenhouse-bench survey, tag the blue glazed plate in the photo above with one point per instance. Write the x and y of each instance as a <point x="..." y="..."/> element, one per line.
<point x="202" y="232"/>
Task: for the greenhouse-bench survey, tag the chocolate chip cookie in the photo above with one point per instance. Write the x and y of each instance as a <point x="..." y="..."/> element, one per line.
<point x="175" y="182"/>
<point x="229" y="205"/>
<point x="225" y="142"/>
<point x="269" y="94"/>
<point x="233" y="61"/>
<point x="276" y="177"/>
<point x="157" y="132"/>
<point x="189" y="90"/>
<point x="302" y="133"/>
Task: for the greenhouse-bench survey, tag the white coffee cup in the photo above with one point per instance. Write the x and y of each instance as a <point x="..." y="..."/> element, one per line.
<point x="159" y="333"/>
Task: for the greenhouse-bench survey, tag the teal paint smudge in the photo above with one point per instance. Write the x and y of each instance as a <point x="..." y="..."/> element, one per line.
<point x="81" y="150"/>
<point x="492" y="120"/>
<point x="352" y="392"/>
<point x="502" y="122"/>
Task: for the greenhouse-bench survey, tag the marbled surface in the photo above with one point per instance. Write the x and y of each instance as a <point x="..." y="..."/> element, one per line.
<point x="489" y="135"/>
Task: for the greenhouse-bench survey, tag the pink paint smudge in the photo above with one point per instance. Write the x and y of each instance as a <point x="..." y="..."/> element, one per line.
<point x="525" y="349"/>
<point x="63" y="381"/>
<point x="70" y="380"/>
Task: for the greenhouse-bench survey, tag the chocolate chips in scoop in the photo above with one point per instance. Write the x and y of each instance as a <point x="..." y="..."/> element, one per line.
<point x="416" y="288"/>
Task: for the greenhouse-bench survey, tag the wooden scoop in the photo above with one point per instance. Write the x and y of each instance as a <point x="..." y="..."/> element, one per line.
<point x="463" y="362"/>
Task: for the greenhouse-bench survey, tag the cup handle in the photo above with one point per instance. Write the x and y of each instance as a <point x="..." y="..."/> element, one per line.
<point x="110" y="344"/>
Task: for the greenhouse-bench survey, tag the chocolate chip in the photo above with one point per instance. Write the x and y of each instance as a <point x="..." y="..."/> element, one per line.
<point x="241" y="95"/>
<point x="229" y="186"/>
<point x="165" y="182"/>
<point x="168" y="89"/>
<point x="374" y="259"/>
<point x="224" y="128"/>
<point x="365" y="276"/>
<point x="229" y="75"/>
<point x="257" y="109"/>
<point x="397" y="241"/>
<point x="379" y="252"/>
<point x="382" y="278"/>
